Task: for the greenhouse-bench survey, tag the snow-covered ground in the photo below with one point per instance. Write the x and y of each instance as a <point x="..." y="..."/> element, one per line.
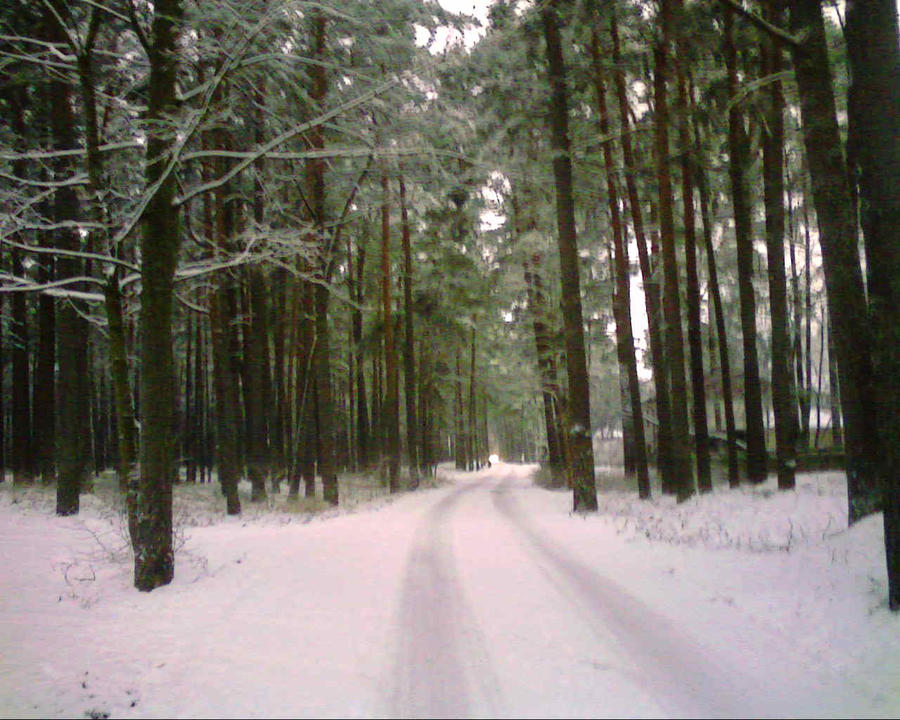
<point x="483" y="596"/>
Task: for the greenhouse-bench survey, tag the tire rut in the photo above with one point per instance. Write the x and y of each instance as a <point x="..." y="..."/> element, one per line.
<point x="442" y="669"/>
<point x="675" y="671"/>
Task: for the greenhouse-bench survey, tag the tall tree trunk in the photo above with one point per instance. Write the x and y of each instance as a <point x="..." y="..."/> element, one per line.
<point x="73" y="438"/>
<point x="874" y="110"/>
<point x="363" y="429"/>
<point x="695" y="338"/>
<point x="2" y="395"/>
<point x="391" y="407"/>
<point x="578" y="414"/>
<point x="154" y="560"/>
<point x="651" y="284"/>
<point x="126" y="432"/>
<point x="306" y="433"/>
<point x="20" y="418"/>
<point x="225" y="379"/>
<point x="471" y="421"/>
<point x="459" y="440"/>
<point x="550" y="391"/>
<point x="719" y="314"/>
<point x="622" y="295"/>
<point x="189" y="438"/>
<point x="322" y="292"/>
<point x="807" y="295"/>
<point x="227" y="441"/>
<point x="259" y="383"/>
<point x="546" y="369"/>
<point x="843" y="275"/>
<point x="674" y="340"/>
<point x="797" y="354"/>
<point x="409" y="348"/>
<point x="834" y="395"/>
<point x="44" y="402"/>
<point x="738" y="169"/>
<point x="783" y="400"/>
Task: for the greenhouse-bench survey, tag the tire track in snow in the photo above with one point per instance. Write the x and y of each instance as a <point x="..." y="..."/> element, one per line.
<point x="678" y="674"/>
<point x="442" y="669"/>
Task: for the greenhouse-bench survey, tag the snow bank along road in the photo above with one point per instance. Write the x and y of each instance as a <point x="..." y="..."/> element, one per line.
<point x="481" y="598"/>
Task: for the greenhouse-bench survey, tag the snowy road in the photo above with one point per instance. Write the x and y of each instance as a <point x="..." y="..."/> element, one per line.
<point x="483" y="577"/>
<point x="483" y="597"/>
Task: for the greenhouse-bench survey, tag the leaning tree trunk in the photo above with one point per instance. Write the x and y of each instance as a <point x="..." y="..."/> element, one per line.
<point x="874" y="109"/>
<point x="578" y="414"/>
<point x="843" y="275"/>
<point x="154" y="559"/>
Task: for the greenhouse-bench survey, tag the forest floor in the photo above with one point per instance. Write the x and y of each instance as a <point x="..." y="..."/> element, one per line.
<point x="480" y="596"/>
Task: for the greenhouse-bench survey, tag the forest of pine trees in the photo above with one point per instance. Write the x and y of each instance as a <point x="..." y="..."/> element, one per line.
<point x="281" y="240"/>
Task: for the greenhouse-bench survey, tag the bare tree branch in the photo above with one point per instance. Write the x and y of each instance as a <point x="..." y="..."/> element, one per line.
<point x="773" y="30"/>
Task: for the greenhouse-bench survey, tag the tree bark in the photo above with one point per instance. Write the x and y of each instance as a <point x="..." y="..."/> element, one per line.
<point x="683" y="473"/>
<point x="719" y="315"/>
<point x="651" y="284"/>
<point x="73" y="438"/>
<point x="321" y="292"/>
<point x="622" y="295"/>
<point x="154" y="560"/>
<point x="363" y="428"/>
<point x="391" y="407"/>
<point x="44" y="398"/>
<point x="843" y="275"/>
<point x="692" y="280"/>
<point x="409" y="348"/>
<point x="738" y="168"/>
<point x="259" y="383"/>
<point x="874" y="109"/>
<point x="783" y="399"/>
<point x="578" y="415"/>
